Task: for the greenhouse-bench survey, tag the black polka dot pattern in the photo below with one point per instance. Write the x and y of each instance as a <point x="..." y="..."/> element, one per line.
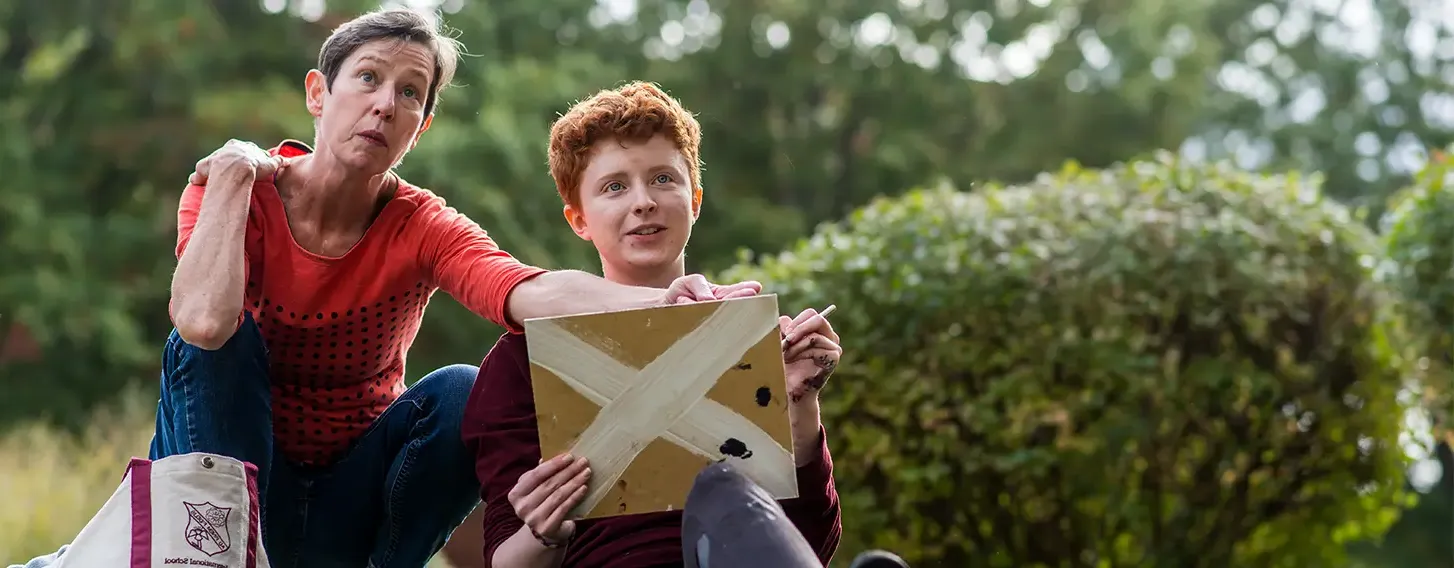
<point x="337" y="369"/>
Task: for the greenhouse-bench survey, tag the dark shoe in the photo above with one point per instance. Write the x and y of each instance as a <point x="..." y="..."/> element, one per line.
<point x="878" y="559"/>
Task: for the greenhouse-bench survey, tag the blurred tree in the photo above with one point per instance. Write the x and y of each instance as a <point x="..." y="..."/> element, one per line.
<point x="1420" y="538"/>
<point x="818" y="107"/>
<point x="114" y="102"/>
<point x="1355" y="89"/>
<point x="1152" y="365"/>
<point x="810" y="111"/>
<point x="1419" y="254"/>
<point x="99" y="136"/>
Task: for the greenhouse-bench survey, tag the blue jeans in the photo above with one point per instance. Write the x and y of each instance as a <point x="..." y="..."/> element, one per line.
<point x="391" y="502"/>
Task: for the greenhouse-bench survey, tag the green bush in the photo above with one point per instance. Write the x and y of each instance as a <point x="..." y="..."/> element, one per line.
<point x="1155" y="365"/>
<point x="1418" y="233"/>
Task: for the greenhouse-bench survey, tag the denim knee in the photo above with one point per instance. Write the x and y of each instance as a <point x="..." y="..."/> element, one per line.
<point x="246" y="346"/>
<point x="217" y="401"/>
<point x="432" y="485"/>
<point x="442" y="395"/>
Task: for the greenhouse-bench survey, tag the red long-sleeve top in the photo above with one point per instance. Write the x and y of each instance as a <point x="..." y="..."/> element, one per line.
<point x="338" y="328"/>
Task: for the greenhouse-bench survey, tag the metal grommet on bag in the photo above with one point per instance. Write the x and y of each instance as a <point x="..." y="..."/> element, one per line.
<point x="207" y="462"/>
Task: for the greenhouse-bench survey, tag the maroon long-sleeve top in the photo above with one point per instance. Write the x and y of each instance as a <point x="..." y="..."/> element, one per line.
<point x="500" y="428"/>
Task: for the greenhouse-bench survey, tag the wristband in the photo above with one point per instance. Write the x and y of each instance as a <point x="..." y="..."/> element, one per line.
<point x="551" y="544"/>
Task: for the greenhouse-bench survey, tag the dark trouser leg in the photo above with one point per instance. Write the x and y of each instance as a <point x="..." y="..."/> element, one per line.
<point x="217" y="402"/>
<point x="402" y="490"/>
<point x="730" y="522"/>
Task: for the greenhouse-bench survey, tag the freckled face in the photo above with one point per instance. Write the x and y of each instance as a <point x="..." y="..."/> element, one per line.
<point x="373" y="113"/>
<point x="636" y="208"/>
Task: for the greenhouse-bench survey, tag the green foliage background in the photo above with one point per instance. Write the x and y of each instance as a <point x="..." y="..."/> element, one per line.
<point x="812" y="111"/>
<point x="1153" y="365"/>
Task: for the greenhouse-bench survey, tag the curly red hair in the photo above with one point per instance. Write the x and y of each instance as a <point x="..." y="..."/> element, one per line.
<point x="634" y="112"/>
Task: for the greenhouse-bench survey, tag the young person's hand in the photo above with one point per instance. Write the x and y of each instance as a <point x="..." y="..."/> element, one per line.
<point x="695" y="288"/>
<point x="544" y="495"/>
<point x="811" y="353"/>
<point x="237" y="156"/>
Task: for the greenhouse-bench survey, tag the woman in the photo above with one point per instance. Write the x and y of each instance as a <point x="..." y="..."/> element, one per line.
<point x="626" y="165"/>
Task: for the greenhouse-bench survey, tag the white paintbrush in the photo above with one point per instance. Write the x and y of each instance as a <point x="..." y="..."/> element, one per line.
<point x="823" y="314"/>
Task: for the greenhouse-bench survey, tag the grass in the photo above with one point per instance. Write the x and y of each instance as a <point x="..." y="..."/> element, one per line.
<point x="52" y="482"/>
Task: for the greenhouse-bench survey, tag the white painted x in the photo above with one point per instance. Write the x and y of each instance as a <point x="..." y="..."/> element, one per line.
<point x="639" y="406"/>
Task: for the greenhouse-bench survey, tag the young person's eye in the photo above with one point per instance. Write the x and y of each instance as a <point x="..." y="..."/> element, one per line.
<point x="615" y="186"/>
<point x="663" y="178"/>
<point x="367" y="76"/>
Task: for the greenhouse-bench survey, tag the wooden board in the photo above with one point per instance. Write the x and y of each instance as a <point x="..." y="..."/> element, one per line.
<point x="651" y="396"/>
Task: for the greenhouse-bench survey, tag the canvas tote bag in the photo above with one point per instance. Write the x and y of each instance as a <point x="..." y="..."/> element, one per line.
<point x="196" y="509"/>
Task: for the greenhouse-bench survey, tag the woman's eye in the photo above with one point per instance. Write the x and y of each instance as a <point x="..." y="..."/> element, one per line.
<point x="410" y="92"/>
<point x="367" y="76"/>
<point x="663" y="178"/>
<point x="615" y="186"/>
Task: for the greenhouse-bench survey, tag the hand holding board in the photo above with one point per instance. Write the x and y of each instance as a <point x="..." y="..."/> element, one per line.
<point x="651" y="396"/>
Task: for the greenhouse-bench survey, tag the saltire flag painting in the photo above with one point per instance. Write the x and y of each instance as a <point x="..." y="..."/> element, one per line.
<point x="651" y="396"/>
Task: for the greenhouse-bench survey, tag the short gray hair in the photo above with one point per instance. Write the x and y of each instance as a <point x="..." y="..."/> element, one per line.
<point x="398" y="24"/>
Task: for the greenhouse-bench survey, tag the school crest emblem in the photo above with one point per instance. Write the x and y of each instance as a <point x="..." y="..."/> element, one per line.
<point x="207" y="528"/>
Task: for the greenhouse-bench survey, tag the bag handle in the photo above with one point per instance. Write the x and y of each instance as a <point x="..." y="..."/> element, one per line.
<point x="139" y="472"/>
<point x="254" y="519"/>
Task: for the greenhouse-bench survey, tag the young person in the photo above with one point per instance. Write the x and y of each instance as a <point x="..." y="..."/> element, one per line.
<point x="302" y="276"/>
<point x="626" y="164"/>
